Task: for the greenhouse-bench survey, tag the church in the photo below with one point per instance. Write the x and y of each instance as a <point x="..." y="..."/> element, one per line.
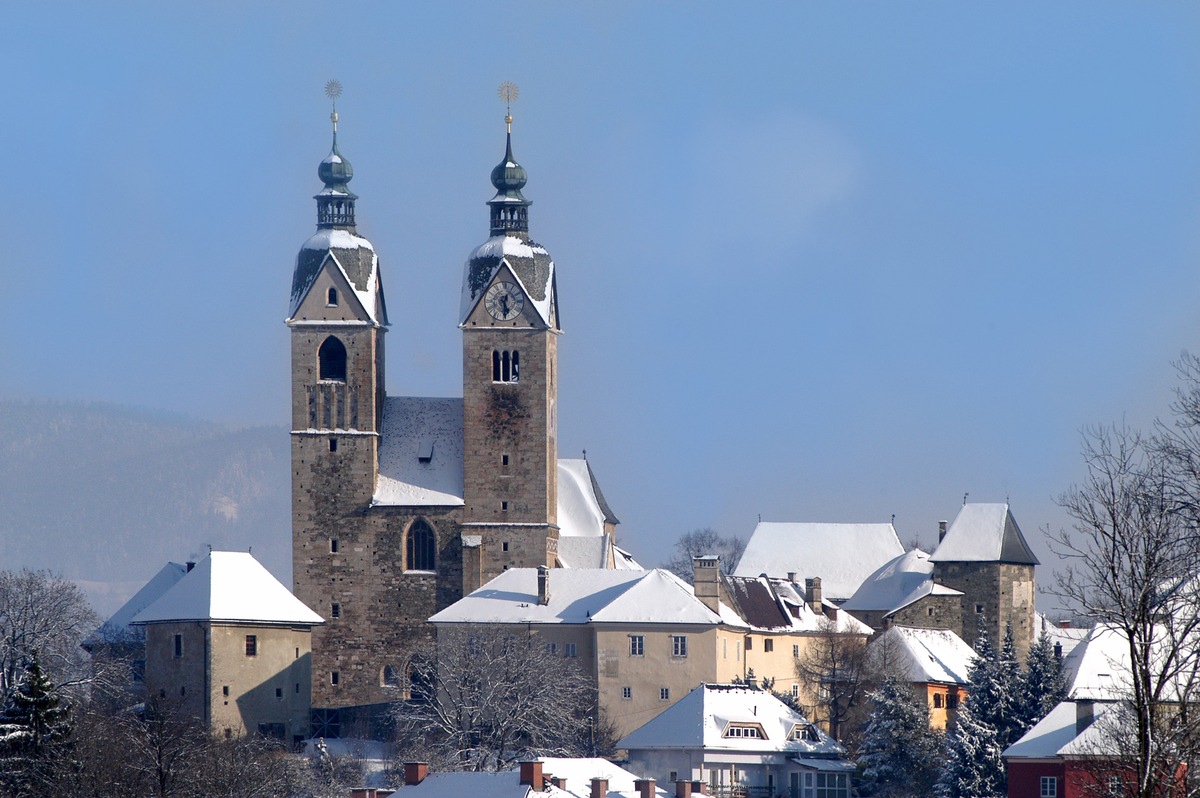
<point x="403" y="505"/>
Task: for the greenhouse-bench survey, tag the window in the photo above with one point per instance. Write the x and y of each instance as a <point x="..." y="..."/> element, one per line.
<point x="251" y="645"/>
<point x="552" y="648"/>
<point x="333" y="545"/>
<point x="420" y="546"/>
<point x="1049" y="787"/>
<point x="749" y="643"/>
<point x="503" y="459"/>
<point x="637" y="645"/>
<point x="331" y="298"/>
<point x="335" y="610"/>
<point x="225" y="691"/>
<point x="832" y="785"/>
<point x="504" y="546"/>
<point x="333" y="444"/>
<point x="937" y="700"/>
<point x="334" y="678"/>
<point x="796" y="652"/>
<point x="795" y="691"/>
<point x="297" y="688"/>
<point x="506" y="366"/>
<point x="952" y="701"/>
<point x="279" y="692"/>
<point x="178" y="645"/>
<point x="806" y="733"/>
<point x="979" y="609"/>
<point x="664" y="694"/>
<point x="929" y="611"/>
<point x="768" y="645"/>
<point x="332" y="360"/>
<point x="678" y="645"/>
<point x="674" y="776"/>
<point x="183" y="690"/>
<point x="744" y="730"/>
<point x="626" y="693"/>
<point x="504" y="506"/>
<point x="569" y="650"/>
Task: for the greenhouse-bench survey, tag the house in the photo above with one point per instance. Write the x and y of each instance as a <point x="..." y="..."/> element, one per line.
<point x="843" y="555"/>
<point x="739" y="740"/>
<point x="934" y="661"/>
<point x="902" y="592"/>
<point x="647" y="637"/>
<point x="231" y="646"/>
<point x="555" y="777"/>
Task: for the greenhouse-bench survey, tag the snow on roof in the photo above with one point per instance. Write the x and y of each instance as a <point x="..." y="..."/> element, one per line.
<point x="898" y="583"/>
<point x="579" y="552"/>
<point x="583" y="595"/>
<point x="229" y="586"/>
<point x="470" y="784"/>
<point x="579" y="772"/>
<point x="984" y="533"/>
<point x="1098" y="668"/>
<point x="354" y="257"/>
<point x="1068" y="637"/>
<point x="792" y="611"/>
<point x="415" y="428"/>
<point x="624" y="560"/>
<point x="580" y="509"/>
<point x="925" y="655"/>
<point x="700" y="720"/>
<point x="530" y="265"/>
<point x="842" y="555"/>
<point x="159" y="584"/>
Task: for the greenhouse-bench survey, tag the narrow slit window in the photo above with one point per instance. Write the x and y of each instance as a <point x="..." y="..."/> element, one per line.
<point x="331" y="298"/>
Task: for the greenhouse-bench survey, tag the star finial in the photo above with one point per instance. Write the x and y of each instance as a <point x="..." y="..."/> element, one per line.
<point x="333" y="90"/>
<point x="508" y="92"/>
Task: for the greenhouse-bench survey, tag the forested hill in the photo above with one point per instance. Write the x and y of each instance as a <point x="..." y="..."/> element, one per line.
<point x="106" y="495"/>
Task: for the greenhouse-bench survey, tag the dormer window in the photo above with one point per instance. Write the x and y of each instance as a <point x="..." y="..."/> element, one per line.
<point x="331" y="359"/>
<point x="331" y="298"/>
<point x="749" y="730"/>
<point x="805" y="733"/>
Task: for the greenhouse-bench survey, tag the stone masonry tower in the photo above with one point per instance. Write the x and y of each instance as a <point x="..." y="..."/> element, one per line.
<point x="509" y="319"/>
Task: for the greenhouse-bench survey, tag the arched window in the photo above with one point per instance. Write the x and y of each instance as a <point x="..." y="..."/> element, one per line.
<point x="389" y="677"/>
<point x="506" y="366"/>
<point x="331" y="300"/>
<point x="420" y="547"/>
<point x="332" y="357"/>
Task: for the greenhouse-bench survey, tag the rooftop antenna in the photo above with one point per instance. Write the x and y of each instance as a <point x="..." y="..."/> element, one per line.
<point x="965" y="495"/>
<point x="333" y="90"/>
<point x="508" y="92"/>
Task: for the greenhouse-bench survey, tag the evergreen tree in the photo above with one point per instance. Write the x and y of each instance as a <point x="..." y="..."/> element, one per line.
<point x="1008" y="718"/>
<point x="35" y="731"/>
<point x="1043" y="686"/>
<point x="973" y="767"/>
<point x="899" y="751"/>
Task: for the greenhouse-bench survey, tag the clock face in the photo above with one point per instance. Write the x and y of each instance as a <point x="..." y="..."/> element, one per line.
<point x="504" y="301"/>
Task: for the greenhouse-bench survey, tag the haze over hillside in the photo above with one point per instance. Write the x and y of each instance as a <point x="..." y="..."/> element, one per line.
<point x="106" y="495"/>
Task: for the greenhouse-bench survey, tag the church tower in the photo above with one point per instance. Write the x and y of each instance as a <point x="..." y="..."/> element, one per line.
<point x="509" y="320"/>
<point x="337" y="321"/>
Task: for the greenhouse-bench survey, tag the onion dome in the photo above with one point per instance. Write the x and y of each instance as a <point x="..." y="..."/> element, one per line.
<point x="335" y="203"/>
<point x="509" y="208"/>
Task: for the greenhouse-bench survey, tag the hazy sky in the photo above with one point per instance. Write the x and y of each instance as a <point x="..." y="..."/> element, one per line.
<point x="817" y="261"/>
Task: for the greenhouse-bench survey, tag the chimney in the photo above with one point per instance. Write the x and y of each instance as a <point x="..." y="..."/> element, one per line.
<point x="697" y="787"/>
<point x="362" y="792"/>
<point x="812" y="595"/>
<point x="1085" y="713"/>
<point x="941" y="531"/>
<point x="543" y="587"/>
<point x="751" y="680"/>
<point x="645" y="787"/>
<point x="706" y="580"/>
<point x="791" y="576"/>
<point x="683" y="789"/>
<point x="559" y="782"/>
<point x="472" y="563"/>
<point x="415" y="772"/>
<point x="599" y="788"/>
<point x="531" y="772"/>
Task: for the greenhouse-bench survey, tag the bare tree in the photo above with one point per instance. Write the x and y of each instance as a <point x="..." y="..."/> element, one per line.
<point x="1132" y="557"/>
<point x="490" y="697"/>
<point x="836" y="674"/>
<point x="47" y="614"/>
<point x="701" y="542"/>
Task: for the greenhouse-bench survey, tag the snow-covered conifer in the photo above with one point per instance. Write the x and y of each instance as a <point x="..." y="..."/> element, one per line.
<point x="899" y="751"/>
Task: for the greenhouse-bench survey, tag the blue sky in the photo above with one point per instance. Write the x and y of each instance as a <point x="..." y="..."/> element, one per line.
<point x="817" y="261"/>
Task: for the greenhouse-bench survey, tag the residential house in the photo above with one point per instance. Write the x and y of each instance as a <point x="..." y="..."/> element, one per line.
<point x="739" y="741"/>
<point x="231" y="645"/>
<point x="934" y="661"/>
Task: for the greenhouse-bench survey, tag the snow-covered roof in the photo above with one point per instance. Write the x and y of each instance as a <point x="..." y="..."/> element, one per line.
<point x="701" y="719"/>
<point x="984" y="533"/>
<point x="159" y="584"/>
<point x="420" y="452"/>
<point x="1067" y="637"/>
<point x="583" y="595"/>
<point x="1058" y="734"/>
<point x="778" y="605"/>
<point x="624" y="560"/>
<point x="842" y="555"/>
<point x="897" y="584"/>
<point x="579" y="772"/>
<point x="530" y="265"/>
<point x="228" y="586"/>
<point x="353" y="256"/>
<point x="925" y="655"/>
<point x="577" y="552"/>
<point x="582" y="510"/>
<point x="1098" y="668"/>
<point x="469" y="784"/>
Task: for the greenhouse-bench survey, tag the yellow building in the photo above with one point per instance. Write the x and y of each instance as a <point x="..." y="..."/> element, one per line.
<point x="935" y="662"/>
<point x="230" y="645"/>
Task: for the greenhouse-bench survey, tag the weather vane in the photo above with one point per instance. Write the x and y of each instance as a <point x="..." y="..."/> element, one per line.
<point x="508" y="92"/>
<point x="333" y="90"/>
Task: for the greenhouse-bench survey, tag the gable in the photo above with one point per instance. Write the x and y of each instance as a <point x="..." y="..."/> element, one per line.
<point x="315" y="306"/>
<point x="353" y="258"/>
<point x="523" y="262"/>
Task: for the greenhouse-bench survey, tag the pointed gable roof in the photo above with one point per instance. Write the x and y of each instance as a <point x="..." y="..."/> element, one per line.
<point x="925" y="655"/>
<point x="229" y="586"/>
<point x="530" y="265"/>
<point x="984" y="533"/>
<point x="354" y="257"/>
<point x="897" y="584"/>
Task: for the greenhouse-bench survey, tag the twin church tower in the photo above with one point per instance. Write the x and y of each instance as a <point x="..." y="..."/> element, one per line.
<point x="402" y="505"/>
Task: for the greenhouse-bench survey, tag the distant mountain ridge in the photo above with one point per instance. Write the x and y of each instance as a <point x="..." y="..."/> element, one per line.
<point x="106" y="495"/>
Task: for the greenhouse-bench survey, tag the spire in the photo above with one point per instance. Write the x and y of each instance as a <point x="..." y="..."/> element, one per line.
<point x="335" y="203"/>
<point x="509" y="208"/>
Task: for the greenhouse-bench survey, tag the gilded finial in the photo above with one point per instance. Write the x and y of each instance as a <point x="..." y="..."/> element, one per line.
<point x="508" y="92"/>
<point x="333" y="90"/>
